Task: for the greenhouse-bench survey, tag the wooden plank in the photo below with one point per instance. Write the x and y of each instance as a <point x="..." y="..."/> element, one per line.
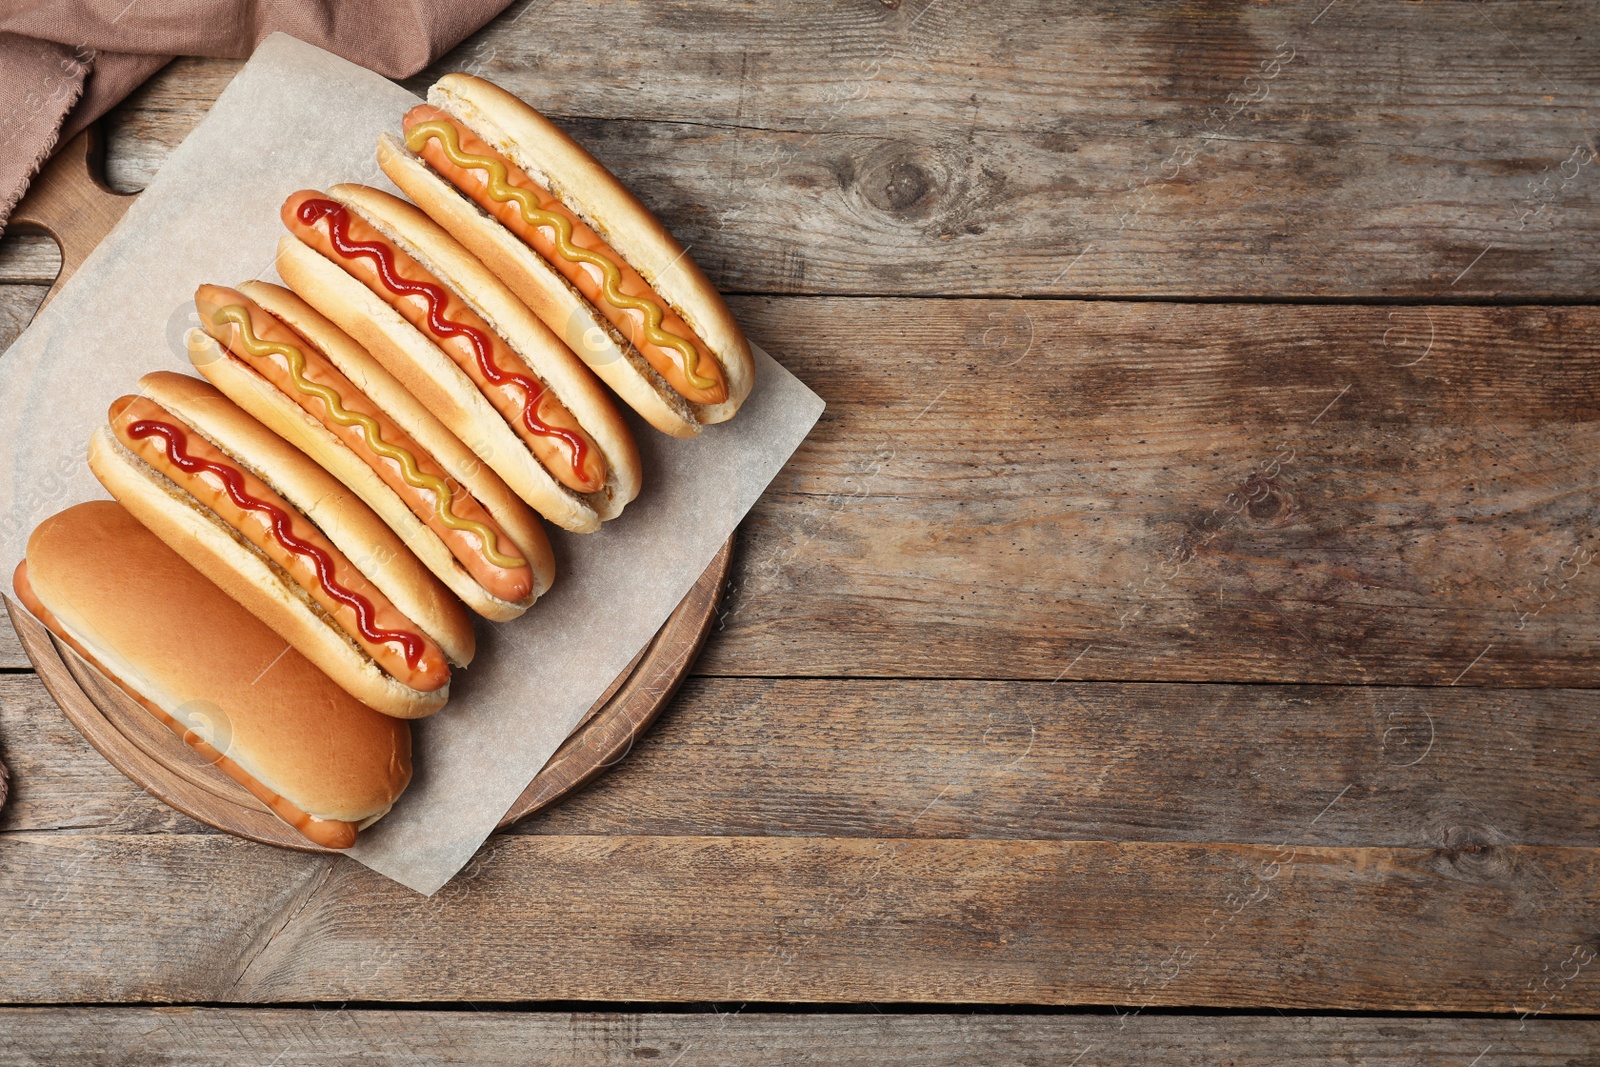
<point x="1363" y="151"/>
<point x="211" y="918"/>
<point x="206" y="902"/>
<point x="1039" y="489"/>
<point x="1310" y="765"/>
<point x="1329" y="765"/>
<point x="26" y="259"/>
<point x="749" y="1038"/>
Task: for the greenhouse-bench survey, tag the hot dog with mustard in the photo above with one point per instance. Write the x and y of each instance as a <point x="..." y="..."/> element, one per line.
<point x="296" y="372"/>
<point x="579" y="249"/>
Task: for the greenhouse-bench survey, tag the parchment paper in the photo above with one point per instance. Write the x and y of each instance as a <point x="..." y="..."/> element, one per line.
<point x="298" y="117"/>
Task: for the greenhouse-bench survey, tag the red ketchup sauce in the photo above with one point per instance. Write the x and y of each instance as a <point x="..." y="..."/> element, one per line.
<point x="381" y="257"/>
<point x="177" y="450"/>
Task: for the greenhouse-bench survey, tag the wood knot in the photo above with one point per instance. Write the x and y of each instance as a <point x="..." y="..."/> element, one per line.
<point x="1467" y="853"/>
<point x="1265" y="501"/>
<point x="897" y="181"/>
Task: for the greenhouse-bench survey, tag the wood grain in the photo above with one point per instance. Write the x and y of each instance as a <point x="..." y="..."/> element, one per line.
<point x="1038" y="489"/>
<point x="17" y="306"/>
<point x="205" y="901"/>
<point x="1039" y="135"/>
<point x="1320" y="765"/>
<point x="28" y="259"/>
<point x="199" y="1037"/>
<point x="1026" y="149"/>
<point x="806" y="919"/>
<point x="1314" y="765"/>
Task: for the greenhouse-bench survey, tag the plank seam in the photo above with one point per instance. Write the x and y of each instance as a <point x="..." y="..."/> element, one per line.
<point x="1247" y="300"/>
<point x="1301" y="300"/>
<point x="1276" y="683"/>
<point x="697" y="1009"/>
<point x="600" y="836"/>
<point x="1011" y="680"/>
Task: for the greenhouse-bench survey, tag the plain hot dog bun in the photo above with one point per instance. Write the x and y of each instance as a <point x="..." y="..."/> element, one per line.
<point x="282" y="537"/>
<point x="213" y="673"/>
<point x="566" y="288"/>
<point x="307" y="381"/>
<point x="464" y="345"/>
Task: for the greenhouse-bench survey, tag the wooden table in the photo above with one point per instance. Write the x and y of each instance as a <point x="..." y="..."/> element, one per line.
<point x="1187" y="601"/>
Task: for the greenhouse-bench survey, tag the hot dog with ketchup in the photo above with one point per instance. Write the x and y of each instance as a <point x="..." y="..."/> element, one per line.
<point x="287" y="541"/>
<point x="569" y="239"/>
<point x="213" y="673"/>
<point x="463" y="344"/>
<point x="296" y="372"/>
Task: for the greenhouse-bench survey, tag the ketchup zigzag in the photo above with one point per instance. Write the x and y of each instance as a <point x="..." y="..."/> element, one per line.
<point x="382" y="258"/>
<point x="177" y="450"/>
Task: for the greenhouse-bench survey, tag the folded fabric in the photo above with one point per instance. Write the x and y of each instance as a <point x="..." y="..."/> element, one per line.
<point x="66" y="63"/>
<point x="42" y="82"/>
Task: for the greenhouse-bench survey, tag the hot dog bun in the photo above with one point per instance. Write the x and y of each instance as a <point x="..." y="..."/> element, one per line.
<point x="212" y="672"/>
<point x="431" y="257"/>
<point x="459" y="201"/>
<point x="425" y="624"/>
<point x="371" y="402"/>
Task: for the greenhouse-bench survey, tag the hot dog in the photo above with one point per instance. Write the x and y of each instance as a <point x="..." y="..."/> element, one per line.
<point x="569" y="239"/>
<point x="286" y="540"/>
<point x="214" y="674"/>
<point x="293" y="370"/>
<point x="457" y="339"/>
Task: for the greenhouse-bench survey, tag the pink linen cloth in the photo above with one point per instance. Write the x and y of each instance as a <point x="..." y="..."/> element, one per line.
<point x="64" y="63"/>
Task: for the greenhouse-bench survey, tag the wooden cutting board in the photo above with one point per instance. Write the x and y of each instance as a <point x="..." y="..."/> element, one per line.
<point x="71" y="204"/>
